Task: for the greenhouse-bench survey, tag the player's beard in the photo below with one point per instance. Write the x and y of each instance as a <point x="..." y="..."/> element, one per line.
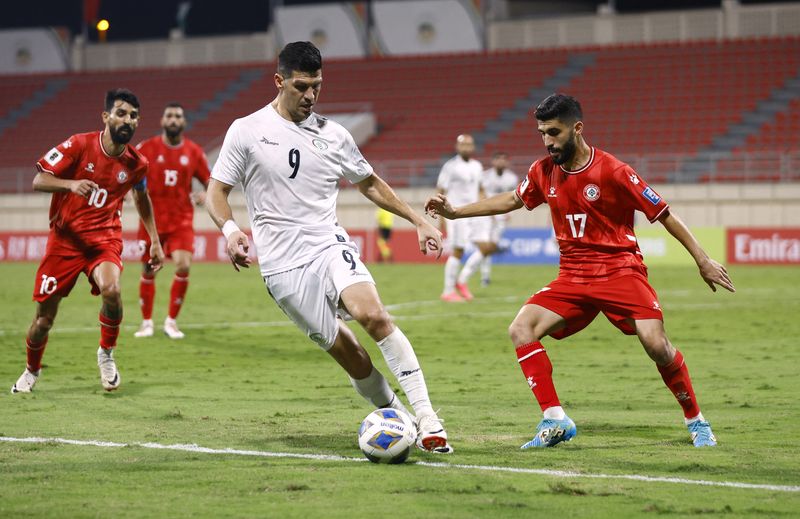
<point x="123" y="137"/>
<point x="173" y="132"/>
<point x="567" y="151"/>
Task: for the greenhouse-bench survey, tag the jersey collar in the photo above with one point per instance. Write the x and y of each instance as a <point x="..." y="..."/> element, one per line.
<point x="584" y="168"/>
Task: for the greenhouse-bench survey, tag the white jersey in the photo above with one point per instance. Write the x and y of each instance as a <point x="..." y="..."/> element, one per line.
<point x="290" y="173"/>
<point x="461" y="180"/>
<point x="494" y="184"/>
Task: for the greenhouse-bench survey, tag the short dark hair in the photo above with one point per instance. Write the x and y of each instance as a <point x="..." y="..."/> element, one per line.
<point x="174" y="104"/>
<point x="559" y="106"/>
<point x="301" y="56"/>
<point x="122" y="94"/>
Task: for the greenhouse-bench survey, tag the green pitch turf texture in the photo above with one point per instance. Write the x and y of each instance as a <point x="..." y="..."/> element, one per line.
<point x="244" y="378"/>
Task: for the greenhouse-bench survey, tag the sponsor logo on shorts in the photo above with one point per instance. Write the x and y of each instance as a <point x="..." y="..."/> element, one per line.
<point x="318" y="338"/>
<point x="53" y="157"/>
<point x="651" y="195"/>
<point x="122" y="177"/>
<point x="591" y="192"/>
<point x="656" y="306"/>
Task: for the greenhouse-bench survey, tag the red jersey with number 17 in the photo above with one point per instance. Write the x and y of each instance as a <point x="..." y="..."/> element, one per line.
<point x="592" y="211"/>
<point x="78" y="224"/>
<point x="169" y="180"/>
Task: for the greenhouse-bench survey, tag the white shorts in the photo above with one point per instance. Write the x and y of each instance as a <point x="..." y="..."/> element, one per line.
<point x="488" y="229"/>
<point x="459" y="232"/>
<point x="309" y="295"/>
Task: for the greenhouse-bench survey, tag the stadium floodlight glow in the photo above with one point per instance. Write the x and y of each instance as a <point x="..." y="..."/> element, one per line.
<point x="102" y="25"/>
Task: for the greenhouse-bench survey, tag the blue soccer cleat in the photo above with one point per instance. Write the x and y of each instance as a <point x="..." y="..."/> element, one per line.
<point x="701" y="434"/>
<point x="551" y="432"/>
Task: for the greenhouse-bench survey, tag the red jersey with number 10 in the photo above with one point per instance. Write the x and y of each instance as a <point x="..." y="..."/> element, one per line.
<point x="592" y="211"/>
<point x="169" y="180"/>
<point x="78" y="224"/>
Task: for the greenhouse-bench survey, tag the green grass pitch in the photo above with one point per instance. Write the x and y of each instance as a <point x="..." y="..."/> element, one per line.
<point x="244" y="378"/>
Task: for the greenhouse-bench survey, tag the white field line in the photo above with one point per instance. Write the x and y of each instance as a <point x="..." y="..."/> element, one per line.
<point x="333" y="457"/>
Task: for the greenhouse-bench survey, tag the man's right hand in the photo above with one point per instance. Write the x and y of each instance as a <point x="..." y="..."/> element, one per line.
<point x="83" y="187"/>
<point x="439" y="205"/>
<point x="238" y="246"/>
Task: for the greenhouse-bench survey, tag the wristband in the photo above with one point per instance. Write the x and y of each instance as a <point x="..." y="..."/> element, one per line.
<point x="229" y="227"/>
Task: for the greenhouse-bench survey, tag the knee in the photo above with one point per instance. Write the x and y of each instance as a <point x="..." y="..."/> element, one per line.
<point x="110" y="292"/>
<point x="658" y="348"/>
<point x="521" y="333"/>
<point x="43" y="323"/>
<point x="376" y="321"/>
<point x="182" y="270"/>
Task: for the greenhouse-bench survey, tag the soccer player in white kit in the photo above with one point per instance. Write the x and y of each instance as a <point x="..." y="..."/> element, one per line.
<point x="460" y="179"/>
<point x="489" y="229"/>
<point x="289" y="161"/>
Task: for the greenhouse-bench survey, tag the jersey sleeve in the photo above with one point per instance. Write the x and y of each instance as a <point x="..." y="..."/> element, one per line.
<point x="641" y="196"/>
<point x="232" y="161"/>
<point x="354" y="166"/>
<point x="59" y="160"/>
<point x="528" y="190"/>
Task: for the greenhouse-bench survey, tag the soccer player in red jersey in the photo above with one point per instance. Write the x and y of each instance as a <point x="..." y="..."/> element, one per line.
<point x="592" y="198"/>
<point x="89" y="174"/>
<point x="174" y="162"/>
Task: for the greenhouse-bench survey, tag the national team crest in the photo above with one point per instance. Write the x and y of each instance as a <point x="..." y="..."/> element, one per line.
<point x="591" y="192"/>
<point x="320" y="144"/>
<point x="122" y="177"/>
<point x="184" y="160"/>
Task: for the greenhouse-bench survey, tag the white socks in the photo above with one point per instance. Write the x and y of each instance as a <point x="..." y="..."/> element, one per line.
<point x="470" y="267"/>
<point x="698" y="418"/>
<point x="554" y="413"/>
<point x="486" y="268"/>
<point x="450" y="273"/>
<point x="402" y="360"/>
<point x="376" y="391"/>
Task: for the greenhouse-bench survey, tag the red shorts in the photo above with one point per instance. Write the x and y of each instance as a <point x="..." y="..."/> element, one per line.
<point x="179" y="239"/>
<point x="621" y="298"/>
<point x="57" y="274"/>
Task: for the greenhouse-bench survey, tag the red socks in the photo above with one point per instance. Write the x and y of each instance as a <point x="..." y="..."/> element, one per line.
<point x="147" y="292"/>
<point x="179" y="285"/>
<point x="538" y="371"/>
<point x="35" y="351"/>
<point x="109" y="331"/>
<point x="676" y="377"/>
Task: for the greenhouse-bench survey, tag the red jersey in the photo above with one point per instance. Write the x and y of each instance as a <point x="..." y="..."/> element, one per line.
<point x="592" y="211"/>
<point x="169" y="180"/>
<point x="78" y="224"/>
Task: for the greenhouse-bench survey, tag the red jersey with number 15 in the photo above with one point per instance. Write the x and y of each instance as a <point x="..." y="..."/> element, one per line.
<point x="169" y="180"/>
<point x="78" y="224"/>
<point x="592" y="211"/>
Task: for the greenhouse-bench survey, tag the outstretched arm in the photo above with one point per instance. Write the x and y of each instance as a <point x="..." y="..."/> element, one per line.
<point x="498" y="204"/>
<point x="711" y="271"/>
<point x="382" y="195"/>
<point x="145" y="209"/>
<point x="220" y="211"/>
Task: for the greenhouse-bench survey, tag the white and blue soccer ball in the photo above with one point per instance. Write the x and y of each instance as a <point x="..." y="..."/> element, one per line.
<point x="387" y="436"/>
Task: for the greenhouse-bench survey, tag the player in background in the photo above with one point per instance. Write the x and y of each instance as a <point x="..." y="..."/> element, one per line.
<point x="592" y="198"/>
<point x="289" y="161"/>
<point x="488" y="230"/>
<point x="89" y="174"/>
<point x="385" y="223"/>
<point x="174" y="161"/>
<point x="460" y="181"/>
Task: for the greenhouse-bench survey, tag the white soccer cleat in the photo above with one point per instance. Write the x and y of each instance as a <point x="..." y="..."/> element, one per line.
<point x="109" y="376"/>
<point x="431" y="436"/>
<point x="171" y="329"/>
<point x="145" y="330"/>
<point x="26" y="381"/>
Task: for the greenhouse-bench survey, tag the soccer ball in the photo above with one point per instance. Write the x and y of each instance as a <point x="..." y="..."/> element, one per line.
<point x="386" y="436"/>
